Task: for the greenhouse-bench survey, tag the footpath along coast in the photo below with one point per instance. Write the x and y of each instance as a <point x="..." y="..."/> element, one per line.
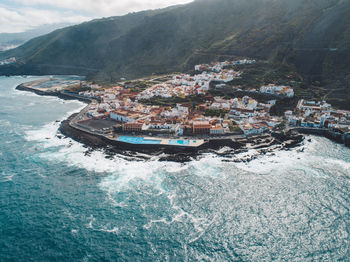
<point x="31" y="87"/>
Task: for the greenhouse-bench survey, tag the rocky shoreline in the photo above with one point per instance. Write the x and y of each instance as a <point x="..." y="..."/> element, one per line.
<point x="222" y="146"/>
<point x="333" y="135"/>
<point x="23" y="87"/>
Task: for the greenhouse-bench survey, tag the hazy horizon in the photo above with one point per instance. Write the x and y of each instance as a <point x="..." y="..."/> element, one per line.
<point x="21" y="15"/>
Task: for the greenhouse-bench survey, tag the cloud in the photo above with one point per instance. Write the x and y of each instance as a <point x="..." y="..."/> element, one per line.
<point x="105" y="7"/>
<point x="21" y="15"/>
<point x="13" y="21"/>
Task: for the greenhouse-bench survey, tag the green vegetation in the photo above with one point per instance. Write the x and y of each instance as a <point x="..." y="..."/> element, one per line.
<point x="16" y="39"/>
<point x="138" y="86"/>
<point x="283" y="105"/>
<point x="172" y="101"/>
<point x="229" y="93"/>
<point x="77" y="89"/>
<point x="235" y="128"/>
<point x="262" y="73"/>
<point x="215" y="112"/>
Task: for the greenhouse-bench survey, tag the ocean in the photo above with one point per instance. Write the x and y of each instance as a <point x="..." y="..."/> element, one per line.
<point x="61" y="201"/>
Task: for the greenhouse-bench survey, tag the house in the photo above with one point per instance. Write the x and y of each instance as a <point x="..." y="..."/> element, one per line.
<point x="197" y="67"/>
<point x="160" y="125"/>
<point x="95" y="115"/>
<point x="252" y="129"/>
<point x="132" y="127"/>
<point x="288" y="114"/>
<point x="277" y="90"/>
<point x="120" y="116"/>
<point x="201" y="127"/>
<point x="217" y="130"/>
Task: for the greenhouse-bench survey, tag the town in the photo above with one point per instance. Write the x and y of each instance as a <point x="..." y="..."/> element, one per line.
<point x="318" y="114"/>
<point x="214" y="116"/>
<point x="124" y="112"/>
<point x="9" y="61"/>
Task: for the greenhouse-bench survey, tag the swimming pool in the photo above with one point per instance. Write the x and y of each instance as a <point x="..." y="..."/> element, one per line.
<point x="138" y="140"/>
<point x="179" y="142"/>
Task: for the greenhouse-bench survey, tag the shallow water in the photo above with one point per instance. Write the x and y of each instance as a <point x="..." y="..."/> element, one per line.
<point x="57" y="203"/>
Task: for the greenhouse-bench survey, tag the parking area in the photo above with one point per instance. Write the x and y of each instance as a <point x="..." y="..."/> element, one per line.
<point x="99" y="124"/>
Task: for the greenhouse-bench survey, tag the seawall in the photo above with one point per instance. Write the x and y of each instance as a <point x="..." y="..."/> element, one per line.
<point x="61" y="95"/>
<point x="333" y="135"/>
<point x="347" y="140"/>
<point x="99" y="141"/>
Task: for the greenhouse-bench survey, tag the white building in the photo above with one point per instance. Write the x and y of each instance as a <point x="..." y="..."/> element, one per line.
<point x="277" y="90"/>
<point x="119" y="117"/>
<point x="218" y="130"/>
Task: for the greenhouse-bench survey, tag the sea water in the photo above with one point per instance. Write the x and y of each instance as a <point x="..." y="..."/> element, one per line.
<point x="59" y="203"/>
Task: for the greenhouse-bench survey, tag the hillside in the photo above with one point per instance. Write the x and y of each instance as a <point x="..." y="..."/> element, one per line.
<point x="11" y="40"/>
<point x="311" y="37"/>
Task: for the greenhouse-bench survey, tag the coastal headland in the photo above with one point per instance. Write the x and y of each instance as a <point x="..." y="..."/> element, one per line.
<point x="262" y="143"/>
<point x="177" y="150"/>
<point x="30" y="87"/>
<point x="132" y="118"/>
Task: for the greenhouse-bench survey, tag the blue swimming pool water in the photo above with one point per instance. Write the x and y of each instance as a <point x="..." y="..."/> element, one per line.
<point x="138" y="140"/>
<point x="143" y="141"/>
<point x="179" y="142"/>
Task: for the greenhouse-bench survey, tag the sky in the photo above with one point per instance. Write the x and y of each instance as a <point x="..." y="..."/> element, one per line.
<point x="21" y="15"/>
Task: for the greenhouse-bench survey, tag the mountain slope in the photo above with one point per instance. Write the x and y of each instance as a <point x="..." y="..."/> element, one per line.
<point x="312" y="36"/>
<point x="11" y="40"/>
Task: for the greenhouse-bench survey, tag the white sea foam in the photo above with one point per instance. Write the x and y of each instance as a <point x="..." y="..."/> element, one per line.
<point x="152" y="172"/>
<point x="113" y="230"/>
<point x="6" y="177"/>
<point x="4" y="122"/>
<point x="92" y="225"/>
<point x="48" y="133"/>
<point x="123" y="171"/>
<point x="309" y="158"/>
<point x="337" y="164"/>
<point x="209" y="165"/>
<point x="200" y="224"/>
<point x="127" y="171"/>
<point x="73" y="154"/>
<point x="16" y="92"/>
<point x="128" y="174"/>
<point x="92" y="220"/>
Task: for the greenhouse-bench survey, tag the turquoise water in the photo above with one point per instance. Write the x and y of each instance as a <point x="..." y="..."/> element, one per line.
<point x="138" y="140"/>
<point x="144" y="141"/>
<point x="61" y="203"/>
<point x="179" y="142"/>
